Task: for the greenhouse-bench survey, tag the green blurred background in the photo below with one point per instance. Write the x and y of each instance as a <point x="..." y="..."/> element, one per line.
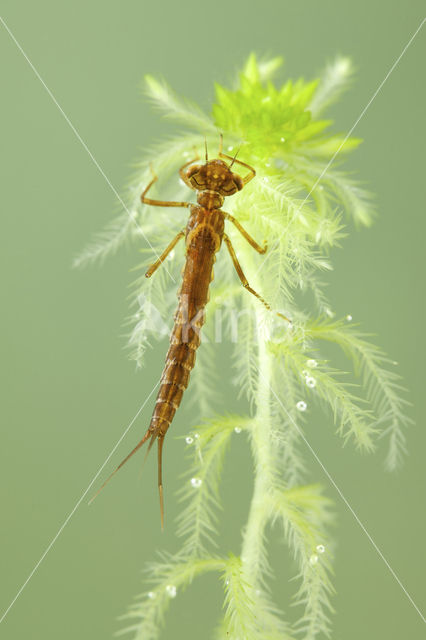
<point x="69" y="390"/>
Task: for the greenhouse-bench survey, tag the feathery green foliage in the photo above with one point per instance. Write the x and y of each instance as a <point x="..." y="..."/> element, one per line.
<point x="297" y="203"/>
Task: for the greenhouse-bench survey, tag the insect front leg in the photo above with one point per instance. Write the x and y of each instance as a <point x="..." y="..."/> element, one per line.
<point x="164" y="255"/>
<point x="244" y="280"/>
<point x="246" y="235"/>
<point x="160" y="203"/>
<point x="183" y="174"/>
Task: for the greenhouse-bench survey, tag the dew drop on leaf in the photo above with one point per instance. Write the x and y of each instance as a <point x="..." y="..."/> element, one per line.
<point x="196" y="482"/>
<point x="237" y="429"/>
<point x="171" y="590"/>
<point x="310" y="382"/>
<point x="189" y="440"/>
<point x="313" y="559"/>
<point x="301" y="405"/>
<point x="320" y="548"/>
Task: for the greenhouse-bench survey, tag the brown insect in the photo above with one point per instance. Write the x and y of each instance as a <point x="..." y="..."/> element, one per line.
<point x="204" y="233"/>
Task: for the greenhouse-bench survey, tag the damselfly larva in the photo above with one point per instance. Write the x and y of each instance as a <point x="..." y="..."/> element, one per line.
<point x="204" y="232"/>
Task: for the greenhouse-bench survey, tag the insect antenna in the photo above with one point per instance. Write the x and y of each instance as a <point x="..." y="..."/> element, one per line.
<point x="235" y="157"/>
<point x="220" y="143"/>
<point x="205" y="145"/>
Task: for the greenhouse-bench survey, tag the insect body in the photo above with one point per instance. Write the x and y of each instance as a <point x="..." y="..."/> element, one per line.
<point x="204" y="234"/>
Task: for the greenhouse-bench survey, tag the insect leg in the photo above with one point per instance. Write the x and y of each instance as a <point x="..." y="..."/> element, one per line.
<point x="182" y="172"/>
<point x="250" y="175"/>
<point x="246" y="235"/>
<point x="164" y="255"/>
<point x="244" y="280"/>
<point x="160" y="203"/>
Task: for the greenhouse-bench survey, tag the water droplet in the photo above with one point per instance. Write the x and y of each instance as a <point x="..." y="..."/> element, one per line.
<point x="196" y="482"/>
<point x="311" y="363"/>
<point x="171" y="590"/>
<point x="267" y="164"/>
<point x="189" y="440"/>
<point x="171" y="255"/>
<point x="237" y="429"/>
<point x="282" y="139"/>
<point x="349" y="317"/>
<point x="265" y="179"/>
<point x="151" y="595"/>
<point x="301" y="405"/>
<point x="230" y="148"/>
<point x="329" y="312"/>
<point x="196" y="436"/>
<point x="313" y="559"/>
<point x="320" y="548"/>
<point x="310" y="382"/>
<point x="226" y="582"/>
<point x="305" y="372"/>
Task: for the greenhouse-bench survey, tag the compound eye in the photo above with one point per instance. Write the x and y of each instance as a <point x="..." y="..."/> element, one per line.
<point x="237" y="181"/>
<point x="193" y="170"/>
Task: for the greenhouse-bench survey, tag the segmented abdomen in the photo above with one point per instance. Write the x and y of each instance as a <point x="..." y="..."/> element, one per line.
<point x="203" y="237"/>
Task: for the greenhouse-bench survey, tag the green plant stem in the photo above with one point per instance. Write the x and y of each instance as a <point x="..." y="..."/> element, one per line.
<point x="252" y="555"/>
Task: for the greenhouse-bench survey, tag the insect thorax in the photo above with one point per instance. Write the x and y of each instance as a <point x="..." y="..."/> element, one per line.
<point x="210" y="199"/>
